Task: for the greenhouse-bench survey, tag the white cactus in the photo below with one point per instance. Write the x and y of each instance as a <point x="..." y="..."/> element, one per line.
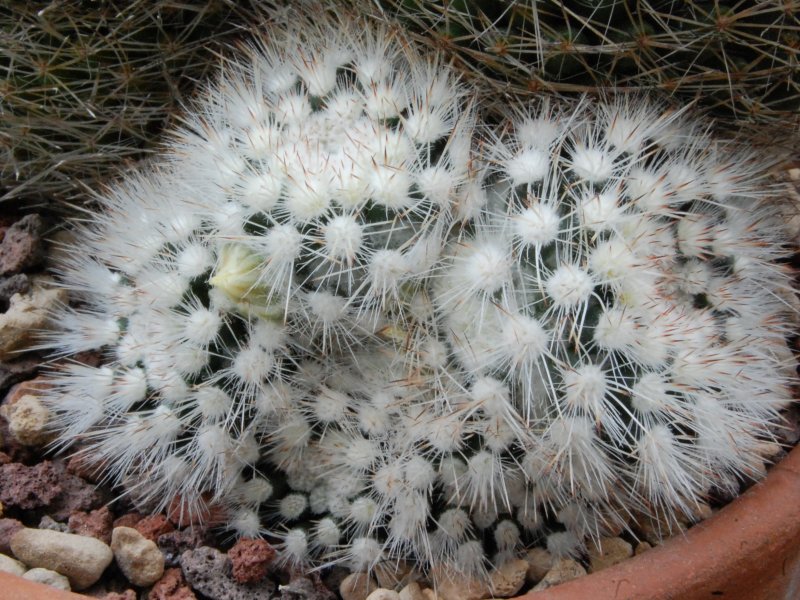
<point x="432" y="336"/>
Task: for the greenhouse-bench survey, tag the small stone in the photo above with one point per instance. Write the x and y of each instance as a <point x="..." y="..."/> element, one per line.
<point x="28" y="487"/>
<point x="608" y="551"/>
<point x="357" y="586"/>
<point x="250" y="560"/>
<point x="48" y="577"/>
<point x="138" y="558"/>
<point x="207" y="570"/>
<point x="171" y="586"/>
<point x="28" y="421"/>
<point x="563" y="570"/>
<point x="430" y="594"/>
<point x="8" y="527"/>
<point x="16" y="284"/>
<point x="412" y="591"/>
<point x="47" y="522"/>
<point x="45" y="485"/>
<point x="641" y="548"/>
<point x="76" y="495"/>
<point x="10" y="565"/>
<point x="452" y="586"/>
<point x="175" y="543"/>
<point x="702" y="512"/>
<point x="81" y="466"/>
<point x="96" y="524"/>
<point x="390" y="574"/>
<point x="22" y="246"/>
<point x="27" y="315"/>
<point x="507" y="579"/>
<point x="383" y="594"/>
<point x="128" y="520"/>
<point x="82" y="559"/>
<point x="540" y="561"/>
<point x="656" y="531"/>
<point x="153" y="526"/>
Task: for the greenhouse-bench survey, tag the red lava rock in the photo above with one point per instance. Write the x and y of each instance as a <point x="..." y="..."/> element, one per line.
<point x="250" y="559"/>
<point x="128" y="520"/>
<point x="46" y="485"/>
<point x="96" y="524"/>
<point x="154" y="526"/>
<point x="208" y="571"/>
<point x="171" y="586"/>
<point x="29" y="487"/>
<point x="90" y="358"/>
<point x="22" y="246"/>
<point x="8" y="527"/>
<point x="174" y="544"/>
<point x="4" y="458"/>
<point x="185" y="514"/>
<point x="76" y="495"/>
<point x="82" y="467"/>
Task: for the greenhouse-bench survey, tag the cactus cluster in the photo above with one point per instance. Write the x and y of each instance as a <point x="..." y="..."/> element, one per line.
<point x="84" y="85"/>
<point x="364" y="320"/>
<point x="738" y="58"/>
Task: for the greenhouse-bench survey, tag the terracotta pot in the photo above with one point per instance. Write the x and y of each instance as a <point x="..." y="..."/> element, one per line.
<point x="749" y="550"/>
<point x="17" y="588"/>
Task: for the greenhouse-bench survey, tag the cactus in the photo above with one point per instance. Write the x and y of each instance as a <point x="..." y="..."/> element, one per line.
<point x="739" y="59"/>
<point x="86" y="85"/>
<point x="377" y="328"/>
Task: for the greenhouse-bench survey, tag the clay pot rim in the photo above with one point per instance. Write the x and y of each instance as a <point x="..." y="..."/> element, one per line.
<point x="13" y="587"/>
<point x="708" y="561"/>
<point x="748" y="549"/>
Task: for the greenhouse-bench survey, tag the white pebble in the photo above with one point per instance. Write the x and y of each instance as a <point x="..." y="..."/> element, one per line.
<point x="82" y="559"/>
<point x="138" y="558"/>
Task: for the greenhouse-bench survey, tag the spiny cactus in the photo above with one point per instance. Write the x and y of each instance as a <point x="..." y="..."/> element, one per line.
<point x="84" y="85"/>
<point x="739" y="58"/>
<point x="368" y="325"/>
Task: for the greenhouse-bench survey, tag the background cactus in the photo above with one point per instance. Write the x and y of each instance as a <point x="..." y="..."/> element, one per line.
<point x="86" y="85"/>
<point x="739" y="59"/>
<point x="369" y="324"/>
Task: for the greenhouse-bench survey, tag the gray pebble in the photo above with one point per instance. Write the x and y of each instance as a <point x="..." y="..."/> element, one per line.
<point x="10" y="565"/>
<point x="47" y="522"/>
<point x="48" y="577"/>
<point x="208" y="571"/>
